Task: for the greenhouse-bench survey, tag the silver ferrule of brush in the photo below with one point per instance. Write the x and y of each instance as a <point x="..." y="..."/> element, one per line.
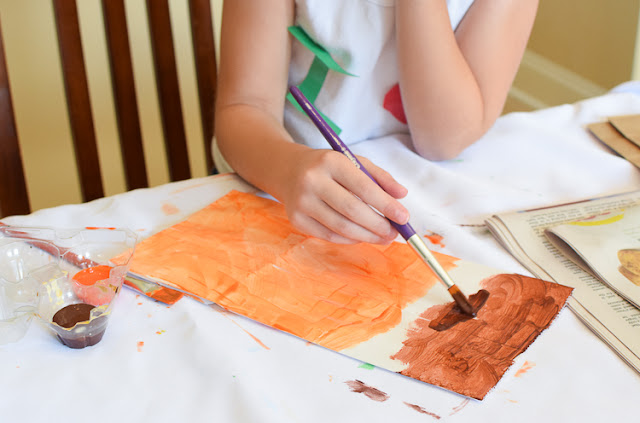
<point x="419" y="247"/>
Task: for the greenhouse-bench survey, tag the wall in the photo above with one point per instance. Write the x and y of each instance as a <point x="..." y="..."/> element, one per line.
<point x="38" y="96"/>
<point x="577" y="50"/>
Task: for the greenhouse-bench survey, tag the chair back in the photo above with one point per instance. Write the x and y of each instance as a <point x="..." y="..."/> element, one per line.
<point x="13" y="196"/>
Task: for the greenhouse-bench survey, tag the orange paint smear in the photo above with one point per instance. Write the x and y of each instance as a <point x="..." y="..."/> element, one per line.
<point x="435" y="239"/>
<point x="525" y="368"/>
<point x="169" y="209"/>
<point x="242" y="253"/>
<point x="139" y="345"/>
<point x="255" y="338"/>
<point x="471" y="357"/>
<point x="160" y="293"/>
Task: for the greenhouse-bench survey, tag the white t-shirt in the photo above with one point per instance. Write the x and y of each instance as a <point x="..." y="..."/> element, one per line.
<point x="360" y="37"/>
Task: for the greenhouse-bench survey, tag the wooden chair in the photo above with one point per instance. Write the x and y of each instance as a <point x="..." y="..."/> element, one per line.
<point x="13" y="194"/>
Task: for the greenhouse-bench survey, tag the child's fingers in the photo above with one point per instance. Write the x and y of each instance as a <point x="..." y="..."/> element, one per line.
<point x="373" y="194"/>
<point x="384" y="178"/>
<point x="346" y="232"/>
<point x="312" y="227"/>
<point x="352" y="217"/>
<point x="335" y="226"/>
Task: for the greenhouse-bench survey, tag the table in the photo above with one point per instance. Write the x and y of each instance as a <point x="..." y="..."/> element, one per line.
<point x="192" y="362"/>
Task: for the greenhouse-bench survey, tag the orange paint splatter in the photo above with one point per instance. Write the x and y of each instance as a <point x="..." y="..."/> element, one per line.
<point x="160" y="332"/>
<point x="169" y="209"/>
<point x="435" y="239"/>
<point x="140" y="344"/>
<point x="139" y="303"/>
<point x="525" y="367"/>
<point x="242" y="253"/>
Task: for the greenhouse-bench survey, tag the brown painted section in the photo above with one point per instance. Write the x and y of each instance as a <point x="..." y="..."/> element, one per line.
<point x="471" y="357"/>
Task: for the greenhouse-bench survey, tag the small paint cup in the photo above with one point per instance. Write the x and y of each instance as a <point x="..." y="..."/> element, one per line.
<point x="77" y="301"/>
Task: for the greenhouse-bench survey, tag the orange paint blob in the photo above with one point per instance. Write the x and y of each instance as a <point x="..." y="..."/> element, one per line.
<point x="139" y="346"/>
<point x="91" y="275"/>
<point x="242" y="253"/>
<point x="435" y="239"/>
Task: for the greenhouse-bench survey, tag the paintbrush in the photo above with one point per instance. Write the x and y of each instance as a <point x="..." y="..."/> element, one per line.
<point x="407" y="232"/>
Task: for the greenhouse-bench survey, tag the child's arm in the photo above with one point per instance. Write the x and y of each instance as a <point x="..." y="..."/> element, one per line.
<point x="454" y="86"/>
<point x="324" y="194"/>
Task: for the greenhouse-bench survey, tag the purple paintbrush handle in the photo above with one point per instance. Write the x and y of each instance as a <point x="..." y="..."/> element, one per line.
<point x="338" y="145"/>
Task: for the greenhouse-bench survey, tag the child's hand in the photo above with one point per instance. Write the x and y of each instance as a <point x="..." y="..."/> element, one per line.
<point x="329" y="198"/>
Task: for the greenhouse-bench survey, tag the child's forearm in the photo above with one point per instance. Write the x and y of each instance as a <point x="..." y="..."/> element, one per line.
<point x="454" y="85"/>
<point x="256" y="145"/>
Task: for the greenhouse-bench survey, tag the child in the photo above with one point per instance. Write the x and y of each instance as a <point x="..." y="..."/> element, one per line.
<point x="437" y="69"/>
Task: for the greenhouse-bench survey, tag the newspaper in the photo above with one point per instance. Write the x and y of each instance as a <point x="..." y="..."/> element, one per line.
<point x="609" y="315"/>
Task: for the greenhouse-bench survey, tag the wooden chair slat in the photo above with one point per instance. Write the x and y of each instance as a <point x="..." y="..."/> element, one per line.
<point x="124" y="93"/>
<point x="78" y="103"/>
<point x="168" y="89"/>
<point x="206" y="70"/>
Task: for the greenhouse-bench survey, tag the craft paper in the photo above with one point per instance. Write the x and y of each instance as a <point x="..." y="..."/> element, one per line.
<point x="611" y="137"/>
<point x="374" y="303"/>
<point x="629" y="126"/>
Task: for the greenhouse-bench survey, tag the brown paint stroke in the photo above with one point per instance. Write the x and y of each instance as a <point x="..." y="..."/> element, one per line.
<point x="459" y="407"/>
<point x="451" y="316"/>
<point x="371" y="392"/>
<point x="423" y="411"/>
<point x="471" y="357"/>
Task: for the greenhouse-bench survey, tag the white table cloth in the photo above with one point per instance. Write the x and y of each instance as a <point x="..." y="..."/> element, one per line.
<point x="192" y="362"/>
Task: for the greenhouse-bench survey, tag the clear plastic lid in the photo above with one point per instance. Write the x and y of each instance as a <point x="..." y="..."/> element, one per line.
<point x="42" y="270"/>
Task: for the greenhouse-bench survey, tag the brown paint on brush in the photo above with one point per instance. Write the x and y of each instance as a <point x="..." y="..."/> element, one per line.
<point x="422" y="410"/>
<point x="462" y="301"/>
<point x="453" y="315"/>
<point x="371" y="392"/>
<point x="471" y="357"/>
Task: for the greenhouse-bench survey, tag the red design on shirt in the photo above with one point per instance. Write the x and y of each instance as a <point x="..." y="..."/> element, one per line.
<point x="393" y="103"/>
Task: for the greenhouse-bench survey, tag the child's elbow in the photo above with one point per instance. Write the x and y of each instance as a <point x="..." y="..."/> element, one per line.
<point x="441" y="148"/>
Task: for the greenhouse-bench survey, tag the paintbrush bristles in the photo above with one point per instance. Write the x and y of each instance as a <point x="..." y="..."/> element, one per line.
<point x="461" y="300"/>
